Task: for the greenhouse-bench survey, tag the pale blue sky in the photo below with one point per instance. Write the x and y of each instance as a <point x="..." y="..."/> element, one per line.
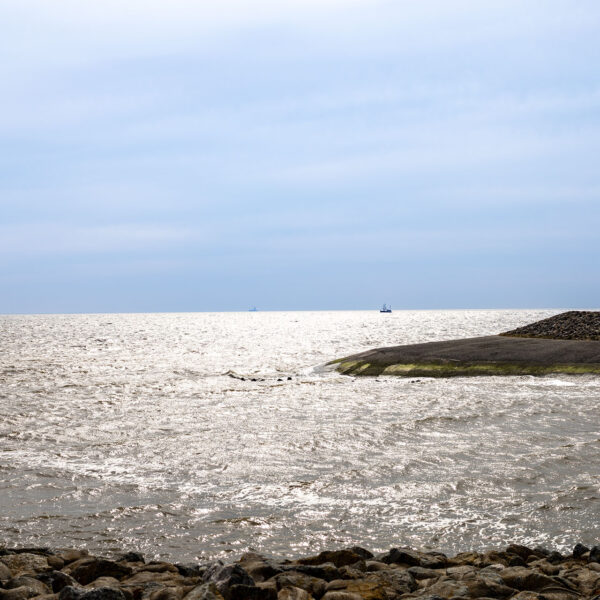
<point x="181" y="156"/>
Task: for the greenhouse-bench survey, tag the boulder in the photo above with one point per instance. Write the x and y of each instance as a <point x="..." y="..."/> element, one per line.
<point x="293" y="593"/>
<point x="579" y="550"/>
<point x="69" y="555"/>
<point x="251" y="592"/>
<point x="133" y="557"/>
<point x="190" y="569"/>
<point x="326" y="571"/>
<point x="595" y="554"/>
<point x="404" y="556"/>
<point x="19" y="593"/>
<point x="25" y="563"/>
<point x="448" y="588"/>
<point x="340" y="558"/>
<point x="159" y="567"/>
<point x="523" y="579"/>
<point x="205" y="591"/>
<point x="312" y="585"/>
<point x="101" y="593"/>
<point x="341" y="596"/>
<point x="226" y="576"/>
<point x="259" y="568"/>
<point x="5" y="573"/>
<point x="28" y="581"/>
<point x="86" y="570"/>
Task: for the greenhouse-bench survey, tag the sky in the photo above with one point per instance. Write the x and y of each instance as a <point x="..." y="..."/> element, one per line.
<point x="299" y="155"/>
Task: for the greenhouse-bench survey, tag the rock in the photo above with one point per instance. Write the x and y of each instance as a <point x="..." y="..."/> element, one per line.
<point x="251" y="592"/>
<point x="130" y="557"/>
<point x="258" y="568"/>
<point x="447" y="588"/>
<point x="69" y="555"/>
<point x="433" y="560"/>
<point x="524" y="579"/>
<point x="395" y="581"/>
<point x="375" y="565"/>
<point x="339" y="558"/>
<point x="312" y="585"/>
<point x="522" y="551"/>
<point x="579" y="550"/>
<point x="190" y="569"/>
<point x="27" y="581"/>
<point x="362" y="552"/>
<point x="326" y="571"/>
<point x="57" y="580"/>
<point x="464" y="558"/>
<point x="25" y="563"/>
<point x="101" y="593"/>
<point x="147" y="577"/>
<point x="400" y="556"/>
<point x="555" y="557"/>
<point x="485" y="587"/>
<point x="293" y="593"/>
<point x="422" y="573"/>
<point x="205" y="591"/>
<point x="594" y="554"/>
<point x="341" y="596"/>
<point x="103" y="582"/>
<point x="226" y="576"/>
<point x="159" y="567"/>
<point x="19" y="593"/>
<point x="86" y="570"/>
<point x="55" y="562"/>
<point x="167" y="593"/>
<point x="368" y="590"/>
<point x="527" y="596"/>
<point x="5" y="573"/>
<point x="356" y="571"/>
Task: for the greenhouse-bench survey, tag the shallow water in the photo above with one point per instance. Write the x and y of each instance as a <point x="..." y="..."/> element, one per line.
<point x="138" y="431"/>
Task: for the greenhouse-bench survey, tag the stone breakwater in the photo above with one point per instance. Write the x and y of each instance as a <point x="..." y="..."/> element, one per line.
<point x="517" y="572"/>
<point x="571" y="325"/>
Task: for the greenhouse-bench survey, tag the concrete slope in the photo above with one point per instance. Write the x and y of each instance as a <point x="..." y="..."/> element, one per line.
<point x="490" y="355"/>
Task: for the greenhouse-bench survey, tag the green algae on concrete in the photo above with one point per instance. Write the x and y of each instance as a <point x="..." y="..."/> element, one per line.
<point x="457" y="369"/>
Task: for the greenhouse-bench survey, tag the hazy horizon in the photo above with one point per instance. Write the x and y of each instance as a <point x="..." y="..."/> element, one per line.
<point x="301" y="155"/>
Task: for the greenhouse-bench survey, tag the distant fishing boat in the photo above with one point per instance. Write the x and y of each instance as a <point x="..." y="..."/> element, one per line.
<point x="253" y="309"/>
<point x="386" y="309"/>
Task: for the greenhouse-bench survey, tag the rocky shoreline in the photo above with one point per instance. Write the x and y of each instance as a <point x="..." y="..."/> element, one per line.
<point x="516" y="572"/>
<point x="571" y="325"/>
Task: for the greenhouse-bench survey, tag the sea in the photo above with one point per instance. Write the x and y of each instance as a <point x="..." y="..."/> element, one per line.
<point x="197" y="436"/>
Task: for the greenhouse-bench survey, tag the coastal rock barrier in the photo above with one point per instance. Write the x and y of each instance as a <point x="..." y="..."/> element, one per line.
<point x="516" y="572"/>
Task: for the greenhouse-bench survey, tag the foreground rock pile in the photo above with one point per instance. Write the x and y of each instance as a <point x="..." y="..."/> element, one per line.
<point x="517" y="572"/>
<point x="572" y="325"/>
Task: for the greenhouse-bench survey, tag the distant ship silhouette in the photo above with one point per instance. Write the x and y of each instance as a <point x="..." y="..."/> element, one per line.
<point x="386" y="309"/>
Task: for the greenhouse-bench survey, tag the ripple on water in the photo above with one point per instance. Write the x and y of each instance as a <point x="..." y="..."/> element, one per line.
<point x="202" y="435"/>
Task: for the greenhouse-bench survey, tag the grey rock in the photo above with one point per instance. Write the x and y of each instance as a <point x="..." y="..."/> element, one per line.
<point x="90" y="568"/>
<point x="401" y="556"/>
<point x="100" y="593"/>
<point x="25" y="563"/>
<point x="595" y="554"/>
<point x="206" y="591"/>
<point x="28" y="581"/>
<point x="226" y="576"/>
<point x="191" y="569"/>
<point x="579" y="550"/>
<point x="251" y="592"/>
<point x="20" y="593"/>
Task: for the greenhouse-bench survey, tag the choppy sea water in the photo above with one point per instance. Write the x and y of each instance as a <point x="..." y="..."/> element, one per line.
<point x="148" y="431"/>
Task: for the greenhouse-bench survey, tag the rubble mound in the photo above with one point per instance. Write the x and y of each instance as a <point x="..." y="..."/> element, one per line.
<point x="572" y="325"/>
